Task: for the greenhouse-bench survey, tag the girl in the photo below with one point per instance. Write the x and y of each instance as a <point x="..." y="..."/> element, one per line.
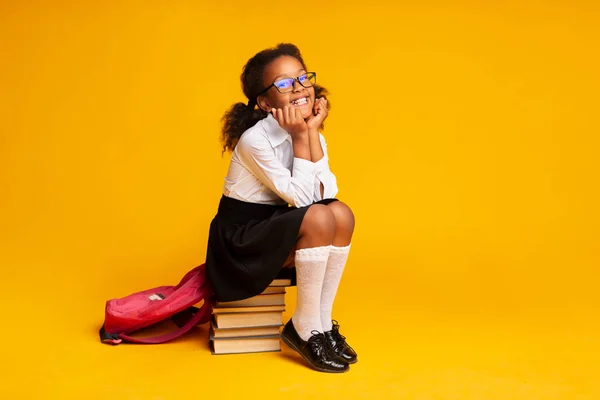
<point x="278" y="207"/>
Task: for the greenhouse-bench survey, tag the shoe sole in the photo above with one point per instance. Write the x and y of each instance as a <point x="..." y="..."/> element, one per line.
<point x="291" y="346"/>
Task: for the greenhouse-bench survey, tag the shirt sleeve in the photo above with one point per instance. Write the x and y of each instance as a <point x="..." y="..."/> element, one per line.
<point x="295" y="187"/>
<point x="324" y="176"/>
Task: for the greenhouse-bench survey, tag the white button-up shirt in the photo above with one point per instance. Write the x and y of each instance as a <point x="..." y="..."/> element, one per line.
<point x="264" y="170"/>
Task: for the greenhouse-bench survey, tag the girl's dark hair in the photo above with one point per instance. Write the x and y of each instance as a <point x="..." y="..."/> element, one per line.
<point x="242" y="116"/>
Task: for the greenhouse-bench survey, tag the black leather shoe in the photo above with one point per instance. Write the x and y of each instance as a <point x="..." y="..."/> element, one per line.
<point x="315" y="351"/>
<point x="337" y="344"/>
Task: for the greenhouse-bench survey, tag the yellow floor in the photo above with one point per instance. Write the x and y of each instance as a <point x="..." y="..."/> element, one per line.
<point x="407" y="351"/>
<point x="464" y="135"/>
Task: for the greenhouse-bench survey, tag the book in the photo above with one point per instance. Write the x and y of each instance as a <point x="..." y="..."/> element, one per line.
<point x="219" y="333"/>
<point x="253" y="344"/>
<point x="246" y="310"/>
<point x="274" y="290"/>
<point x="281" y="282"/>
<point x="249" y="319"/>
<point x="260" y="300"/>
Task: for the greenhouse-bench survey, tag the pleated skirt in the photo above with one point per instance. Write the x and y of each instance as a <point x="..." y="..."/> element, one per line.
<point x="248" y="244"/>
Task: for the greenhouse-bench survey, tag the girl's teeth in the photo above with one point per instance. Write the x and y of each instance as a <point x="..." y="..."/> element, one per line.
<point x="299" y="102"/>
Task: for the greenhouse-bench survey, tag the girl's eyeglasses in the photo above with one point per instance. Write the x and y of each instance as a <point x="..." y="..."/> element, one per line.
<point x="286" y="85"/>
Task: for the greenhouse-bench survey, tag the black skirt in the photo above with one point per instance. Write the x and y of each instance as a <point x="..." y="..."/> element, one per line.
<point x="248" y="243"/>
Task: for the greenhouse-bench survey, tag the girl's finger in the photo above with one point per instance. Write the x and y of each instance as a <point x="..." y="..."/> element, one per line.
<point x="316" y="106"/>
<point x="292" y="115"/>
<point x="320" y="107"/>
<point x="324" y="105"/>
<point x="286" y="114"/>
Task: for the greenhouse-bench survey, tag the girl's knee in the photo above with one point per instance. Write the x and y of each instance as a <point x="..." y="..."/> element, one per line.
<point x="344" y="217"/>
<point x="319" y="218"/>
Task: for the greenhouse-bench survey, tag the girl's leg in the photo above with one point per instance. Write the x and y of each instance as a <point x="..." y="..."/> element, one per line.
<point x="315" y="238"/>
<point x="344" y="223"/>
<point x="344" y="227"/>
<point x="304" y="332"/>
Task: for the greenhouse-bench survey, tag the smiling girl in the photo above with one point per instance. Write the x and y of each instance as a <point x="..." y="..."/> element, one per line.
<point x="278" y="208"/>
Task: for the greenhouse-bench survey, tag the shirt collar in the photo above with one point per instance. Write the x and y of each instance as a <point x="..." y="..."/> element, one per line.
<point x="275" y="133"/>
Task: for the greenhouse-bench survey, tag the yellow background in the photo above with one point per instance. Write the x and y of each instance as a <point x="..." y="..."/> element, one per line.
<point x="464" y="136"/>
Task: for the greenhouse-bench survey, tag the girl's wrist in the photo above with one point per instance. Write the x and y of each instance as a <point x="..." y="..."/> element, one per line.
<point x="301" y="138"/>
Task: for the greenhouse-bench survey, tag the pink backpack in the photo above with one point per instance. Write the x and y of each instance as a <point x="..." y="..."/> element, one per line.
<point x="139" y="310"/>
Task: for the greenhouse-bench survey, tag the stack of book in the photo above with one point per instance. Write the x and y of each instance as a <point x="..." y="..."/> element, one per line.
<point x="251" y="325"/>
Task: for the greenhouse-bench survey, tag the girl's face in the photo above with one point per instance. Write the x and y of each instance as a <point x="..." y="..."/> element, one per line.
<point x="300" y="97"/>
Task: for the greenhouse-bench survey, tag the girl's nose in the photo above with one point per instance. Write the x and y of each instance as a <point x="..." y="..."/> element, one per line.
<point x="297" y="86"/>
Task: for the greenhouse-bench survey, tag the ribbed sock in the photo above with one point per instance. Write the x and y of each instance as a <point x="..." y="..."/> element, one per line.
<point x="333" y="275"/>
<point x="310" y="271"/>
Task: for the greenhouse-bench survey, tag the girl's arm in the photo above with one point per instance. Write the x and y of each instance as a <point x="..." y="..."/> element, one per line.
<point x="313" y="124"/>
<point x="316" y="155"/>
<point x="316" y="147"/>
<point x="325" y="180"/>
<point x="296" y="187"/>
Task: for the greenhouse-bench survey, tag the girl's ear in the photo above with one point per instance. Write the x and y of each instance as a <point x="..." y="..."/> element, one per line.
<point x="263" y="103"/>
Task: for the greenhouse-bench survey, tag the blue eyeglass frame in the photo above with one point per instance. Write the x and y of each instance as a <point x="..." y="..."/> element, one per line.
<point x="307" y="74"/>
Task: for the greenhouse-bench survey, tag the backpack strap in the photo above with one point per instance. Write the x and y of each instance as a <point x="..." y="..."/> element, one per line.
<point x="201" y="316"/>
<point x="181" y="318"/>
<point x="109" y="338"/>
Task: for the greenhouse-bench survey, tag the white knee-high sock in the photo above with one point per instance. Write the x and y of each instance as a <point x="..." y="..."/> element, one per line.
<point x="333" y="276"/>
<point x="310" y="270"/>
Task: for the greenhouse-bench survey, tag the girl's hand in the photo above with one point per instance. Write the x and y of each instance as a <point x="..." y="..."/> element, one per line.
<point x="320" y="112"/>
<point x="290" y="119"/>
